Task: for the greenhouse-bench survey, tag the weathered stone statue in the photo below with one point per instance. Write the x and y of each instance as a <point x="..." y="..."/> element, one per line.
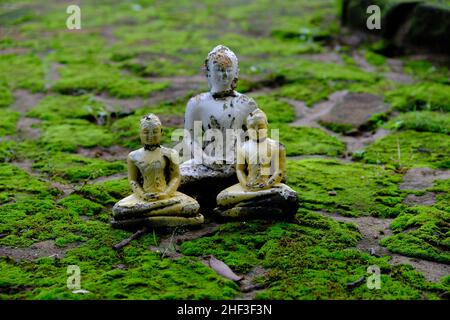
<point x="261" y="166"/>
<point x="212" y="161"/>
<point x="154" y="177"/>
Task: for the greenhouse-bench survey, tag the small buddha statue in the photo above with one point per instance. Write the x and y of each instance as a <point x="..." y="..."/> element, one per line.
<point x="260" y="169"/>
<point x="154" y="176"/>
<point x="210" y="168"/>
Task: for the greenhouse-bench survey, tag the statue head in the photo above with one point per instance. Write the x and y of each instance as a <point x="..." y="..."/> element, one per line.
<point x="257" y="124"/>
<point x="222" y="69"/>
<point x="151" y="130"/>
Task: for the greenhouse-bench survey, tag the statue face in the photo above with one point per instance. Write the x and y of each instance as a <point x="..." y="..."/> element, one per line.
<point x="257" y="129"/>
<point x="151" y="135"/>
<point x="222" y="74"/>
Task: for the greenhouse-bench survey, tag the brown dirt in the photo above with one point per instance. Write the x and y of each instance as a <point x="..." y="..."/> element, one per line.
<point x="374" y="229"/>
<point x="26" y="130"/>
<point x="38" y="250"/>
<point x="25" y="100"/>
<point x="179" y="88"/>
<point x="107" y="153"/>
<point x="355" y="143"/>
<point x="355" y="109"/>
<point x="248" y="288"/>
<point x="308" y="117"/>
<point x="428" y="199"/>
<point x="422" y="178"/>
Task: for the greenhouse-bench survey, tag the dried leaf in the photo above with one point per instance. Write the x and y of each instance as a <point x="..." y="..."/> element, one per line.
<point x="222" y="269"/>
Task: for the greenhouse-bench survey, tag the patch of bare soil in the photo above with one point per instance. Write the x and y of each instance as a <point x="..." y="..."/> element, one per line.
<point x="25" y="100"/>
<point x="107" y="153"/>
<point x="180" y="87"/>
<point x="248" y="287"/>
<point x="433" y="271"/>
<point x="359" y="142"/>
<point x="52" y="74"/>
<point x="308" y="117"/>
<point x="428" y="199"/>
<point x="14" y="51"/>
<point x="422" y="178"/>
<point x="327" y="57"/>
<point x="374" y="229"/>
<point x="38" y="250"/>
<point x="26" y="165"/>
<point x="108" y="178"/>
<point x="355" y="109"/>
<point x="371" y="228"/>
<point x="26" y="129"/>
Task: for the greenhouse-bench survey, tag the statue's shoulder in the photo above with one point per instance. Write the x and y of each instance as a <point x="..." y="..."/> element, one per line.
<point x="172" y="154"/>
<point x="277" y="144"/>
<point x="243" y="100"/>
<point x="136" y="154"/>
<point x="197" y="100"/>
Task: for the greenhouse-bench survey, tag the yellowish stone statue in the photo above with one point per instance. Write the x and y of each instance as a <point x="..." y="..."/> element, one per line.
<point x="154" y="177"/>
<point x="260" y="168"/>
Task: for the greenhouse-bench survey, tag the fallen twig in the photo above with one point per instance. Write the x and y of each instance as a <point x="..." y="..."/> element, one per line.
<point x="134" y="236"/>
<point x="356" y="283"/>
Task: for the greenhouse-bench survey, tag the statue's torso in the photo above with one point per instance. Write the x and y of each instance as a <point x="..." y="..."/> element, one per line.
<point x="152" y="167"/>
<point x="222" y="114"/>
<point x="259" y="159"/>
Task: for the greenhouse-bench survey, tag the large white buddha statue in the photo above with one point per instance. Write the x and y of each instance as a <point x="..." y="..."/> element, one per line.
<point x="220" y="110"/>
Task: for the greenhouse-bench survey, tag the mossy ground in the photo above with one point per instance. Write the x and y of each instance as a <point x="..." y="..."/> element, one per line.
<point x="137" y="55"/>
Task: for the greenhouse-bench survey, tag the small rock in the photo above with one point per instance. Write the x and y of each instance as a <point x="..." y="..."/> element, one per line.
<point x="332" y="193"/>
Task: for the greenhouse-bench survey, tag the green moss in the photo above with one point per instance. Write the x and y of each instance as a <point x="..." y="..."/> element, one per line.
<point x="80" y="205"/>
<point x="374" y="58"/>
<point x="69" y="135"/>
<point x="421" y="96"/>
<point x="8" y="123"/>
<point x="75" y="168"/>
<point x="359" y="189"/>
<point x="22" y="71"/>
<point x="426" y="71"/>
<point x="421" y="232"/>
<point x="79" y="78"/>
<point x="7" y="150"/>
<point x="277" y="111"/>
<point x="6" y="97"/>
<point x="307" y="258"/>
<point x="309" y="92"/>
<point x="302" y="69"/>
<point x="308" y="141"/>
<point x="60" y="107"/>
<point x="428" y="121"/>
<point x="106" y="192"/>
<point x="338" y="127"/>
<point x="410" y="149"/>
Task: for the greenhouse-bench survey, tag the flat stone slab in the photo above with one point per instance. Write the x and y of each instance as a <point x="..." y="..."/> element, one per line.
<point x="354" y="111"/>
